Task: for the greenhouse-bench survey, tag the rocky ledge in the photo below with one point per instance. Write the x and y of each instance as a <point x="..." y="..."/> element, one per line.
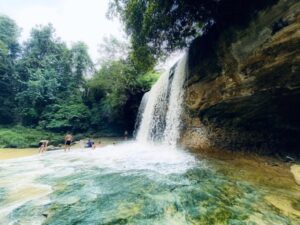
<point x="243" y="87"/>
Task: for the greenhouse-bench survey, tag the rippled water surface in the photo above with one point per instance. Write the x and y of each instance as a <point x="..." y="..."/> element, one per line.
<point x="128" y="184"/>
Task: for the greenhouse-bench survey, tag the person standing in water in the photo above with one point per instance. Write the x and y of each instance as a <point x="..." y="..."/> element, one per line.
<point x="43" y="144"/>
<point x="91" y="144"/>
<point x="68" y="141"/>
<point x="126" y="135"/>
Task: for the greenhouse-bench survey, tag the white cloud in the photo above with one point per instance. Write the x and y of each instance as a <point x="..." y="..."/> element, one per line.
<point x="74" y="20"/>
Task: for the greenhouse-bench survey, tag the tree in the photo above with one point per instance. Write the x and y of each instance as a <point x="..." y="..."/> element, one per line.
<point x="9" y="34"/>
<point x="45" y="84"/>
<point x="82" y="64"/>
<point x="65" y="116"/>
<point x="113" y="49"/>
<point x="159" y="27"/>
<point x="45" y="72"/>
<point x="114" y="94"/>
<point x="9" y="48"/>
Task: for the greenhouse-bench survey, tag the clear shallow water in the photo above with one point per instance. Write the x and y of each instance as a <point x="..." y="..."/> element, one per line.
<point x="127" y="184"/>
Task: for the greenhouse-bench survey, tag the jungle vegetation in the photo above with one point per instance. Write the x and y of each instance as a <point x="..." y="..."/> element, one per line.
<point x="46" y="85"/>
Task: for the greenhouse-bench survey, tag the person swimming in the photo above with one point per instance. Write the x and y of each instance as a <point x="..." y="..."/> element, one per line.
<point x="126" y="135"/>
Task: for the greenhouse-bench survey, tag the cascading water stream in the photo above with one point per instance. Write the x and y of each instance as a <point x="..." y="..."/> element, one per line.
<point x="140" y="113"/>
<point x="172" y="130"/>
<point x="151" y="122"/>
<point x="160" y="120"/>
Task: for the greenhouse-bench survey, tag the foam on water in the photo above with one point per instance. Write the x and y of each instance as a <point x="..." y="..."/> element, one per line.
<point x="144" y="183"/>
<point x="132" y="157"/>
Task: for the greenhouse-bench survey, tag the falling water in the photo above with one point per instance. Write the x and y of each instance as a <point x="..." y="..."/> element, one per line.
<point x="140" y="112"/>
<point x="153" y="119"/>
<point x="172" y="130"/>
<point x="160" y="121"/>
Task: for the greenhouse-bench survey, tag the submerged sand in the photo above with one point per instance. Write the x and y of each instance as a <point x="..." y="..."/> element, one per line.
<point x="11" y="153"/>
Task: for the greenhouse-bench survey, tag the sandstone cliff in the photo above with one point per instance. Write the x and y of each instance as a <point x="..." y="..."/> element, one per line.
<point x="243" y="86"/>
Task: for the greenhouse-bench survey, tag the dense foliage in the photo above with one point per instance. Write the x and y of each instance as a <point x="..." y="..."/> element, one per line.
<point x="115" y="92"/>
<point x="9" y="49"/>
<point x="21" y="137"/>
<point x="161" y="26"/>
<point x="44" y="84"/>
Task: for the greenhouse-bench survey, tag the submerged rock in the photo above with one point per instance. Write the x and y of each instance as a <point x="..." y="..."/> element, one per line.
<point x="283" y="204"/>
<point x="295" y="170"/>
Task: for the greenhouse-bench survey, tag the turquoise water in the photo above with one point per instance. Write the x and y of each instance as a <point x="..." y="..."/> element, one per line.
<point x="128" y="184"/>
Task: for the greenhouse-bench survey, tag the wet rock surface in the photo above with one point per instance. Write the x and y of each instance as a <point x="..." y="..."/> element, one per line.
<point x="295" y="170"/>
<point x="244" y="92"/>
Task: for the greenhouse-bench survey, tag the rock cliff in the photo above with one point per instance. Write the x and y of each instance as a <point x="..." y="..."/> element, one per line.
<point x="243" y="86"/>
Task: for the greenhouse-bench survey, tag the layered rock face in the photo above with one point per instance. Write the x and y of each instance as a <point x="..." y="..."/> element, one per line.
<point x="243" y="87"/>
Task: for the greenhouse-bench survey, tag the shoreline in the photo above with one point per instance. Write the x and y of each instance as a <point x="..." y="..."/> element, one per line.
<point x="13" y="153"/>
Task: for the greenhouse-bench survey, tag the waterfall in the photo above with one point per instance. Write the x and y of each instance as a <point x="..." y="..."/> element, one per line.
<point x="160" y="120"/>
<point x="173" y="123"/>
<point x="140" y="113"/>
<point x="152" y="119"/>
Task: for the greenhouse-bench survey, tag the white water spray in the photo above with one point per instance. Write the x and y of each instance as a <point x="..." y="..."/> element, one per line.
<point x="161" y="117"/>
<point x="140" y="113"/>
<point x="156" y="104"/>
<point x="173" y="122"/>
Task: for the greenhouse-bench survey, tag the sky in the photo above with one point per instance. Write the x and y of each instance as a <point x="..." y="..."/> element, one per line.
<point x="73" y="20"/>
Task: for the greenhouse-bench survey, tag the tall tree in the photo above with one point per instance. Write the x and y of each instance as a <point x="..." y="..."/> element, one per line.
<point x="9" y="48"/>
<point x="113" y="49"/>
<point x="82" y="64"/>
<point x="45" y="68"/>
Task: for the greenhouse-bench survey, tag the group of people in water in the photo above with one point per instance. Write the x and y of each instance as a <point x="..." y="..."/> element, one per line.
<point x="43" y="144"/>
